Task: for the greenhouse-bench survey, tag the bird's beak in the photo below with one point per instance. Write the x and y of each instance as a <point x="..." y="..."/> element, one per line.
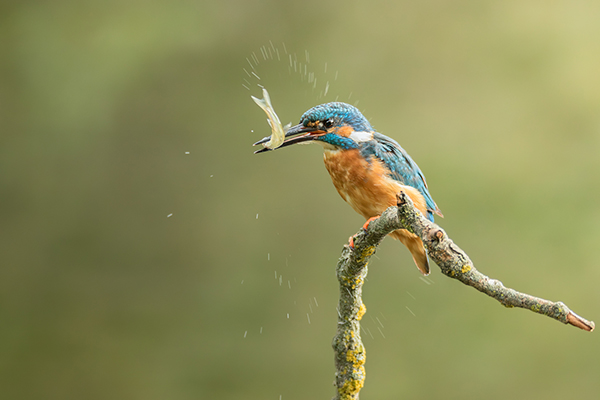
<point x="300" y="134"/>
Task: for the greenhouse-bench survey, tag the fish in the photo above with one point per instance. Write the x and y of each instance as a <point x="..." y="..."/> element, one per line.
<point x="278" y="131"/>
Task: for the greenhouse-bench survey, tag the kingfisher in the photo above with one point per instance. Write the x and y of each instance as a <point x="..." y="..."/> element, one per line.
<point x="367" y="168"/>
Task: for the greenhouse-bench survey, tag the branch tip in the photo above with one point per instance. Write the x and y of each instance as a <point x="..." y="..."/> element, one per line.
<point x="580" y="322"/>
<point x="453" y="262"/>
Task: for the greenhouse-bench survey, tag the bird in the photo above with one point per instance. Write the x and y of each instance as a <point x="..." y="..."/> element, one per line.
<point x="367" y="168"/>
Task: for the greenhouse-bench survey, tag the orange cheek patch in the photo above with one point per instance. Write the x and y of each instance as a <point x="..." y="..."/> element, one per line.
<point x="344" y="131"/>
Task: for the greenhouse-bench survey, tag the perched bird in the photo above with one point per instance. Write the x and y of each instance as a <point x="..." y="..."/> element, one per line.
<point x="367" y="168"/>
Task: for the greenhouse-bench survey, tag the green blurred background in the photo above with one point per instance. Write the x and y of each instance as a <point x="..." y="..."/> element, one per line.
<point x="132" y="270"/>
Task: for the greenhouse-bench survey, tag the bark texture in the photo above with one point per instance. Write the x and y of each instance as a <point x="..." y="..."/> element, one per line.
<point x="352" y="269"/>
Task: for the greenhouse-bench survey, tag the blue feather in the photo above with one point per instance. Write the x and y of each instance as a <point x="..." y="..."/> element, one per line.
<point x="402" y="167"/>
<point x="341" y="113"/>
<point x="338" y="141"/>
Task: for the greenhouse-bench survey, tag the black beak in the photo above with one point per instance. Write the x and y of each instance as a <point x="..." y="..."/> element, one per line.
<point x="306" y="134"/>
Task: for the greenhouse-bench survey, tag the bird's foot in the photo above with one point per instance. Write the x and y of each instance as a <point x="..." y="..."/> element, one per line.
<point x="366" y="225"/>
<point x="351" y="242"/>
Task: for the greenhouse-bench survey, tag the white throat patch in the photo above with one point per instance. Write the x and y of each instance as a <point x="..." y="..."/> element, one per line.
<point x="361" y="136"/>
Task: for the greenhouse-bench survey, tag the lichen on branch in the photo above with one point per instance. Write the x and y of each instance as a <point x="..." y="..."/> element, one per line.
<point x="455" y="263"/>
<point x="352" y="270"/>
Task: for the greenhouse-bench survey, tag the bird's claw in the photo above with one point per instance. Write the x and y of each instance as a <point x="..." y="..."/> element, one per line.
<point x="351" y="242"/>
<point x="366" y="225"/>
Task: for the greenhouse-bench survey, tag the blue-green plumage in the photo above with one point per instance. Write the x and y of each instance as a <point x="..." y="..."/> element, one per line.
<point x="339" y="114"/>
<point x="367" y="168"/>
<point x="339" y="141"/>
<point x="402" y="167"/>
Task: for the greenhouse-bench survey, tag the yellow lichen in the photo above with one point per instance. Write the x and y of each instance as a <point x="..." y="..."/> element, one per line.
<point x="350" y="389"/>
<point x="367" y="252"/>
<point x="361" y="311"/>
<point x="355" y="282"/>
<point x="355" y="377"/>
<point x="351" y="356"/>
<point x="466" y="268"/>
<point x="356" y="357"/>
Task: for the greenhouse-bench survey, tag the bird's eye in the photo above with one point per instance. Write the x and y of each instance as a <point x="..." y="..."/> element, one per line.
<point x="328" y="123"/>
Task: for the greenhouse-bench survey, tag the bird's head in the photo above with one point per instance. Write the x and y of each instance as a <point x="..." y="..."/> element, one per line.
<point x="334" y="125"/>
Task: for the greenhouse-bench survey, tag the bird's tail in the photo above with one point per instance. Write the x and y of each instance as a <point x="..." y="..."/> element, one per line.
<point x="416" y="248"/>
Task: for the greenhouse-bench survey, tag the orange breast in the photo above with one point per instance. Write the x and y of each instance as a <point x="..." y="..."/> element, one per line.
<point x="366" y="186"/>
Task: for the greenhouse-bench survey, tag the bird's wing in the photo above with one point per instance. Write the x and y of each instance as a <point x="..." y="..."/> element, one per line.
<point x="402" y="168"/>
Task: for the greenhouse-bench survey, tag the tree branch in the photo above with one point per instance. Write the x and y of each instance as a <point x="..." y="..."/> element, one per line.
<point x="352" y="269"/>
